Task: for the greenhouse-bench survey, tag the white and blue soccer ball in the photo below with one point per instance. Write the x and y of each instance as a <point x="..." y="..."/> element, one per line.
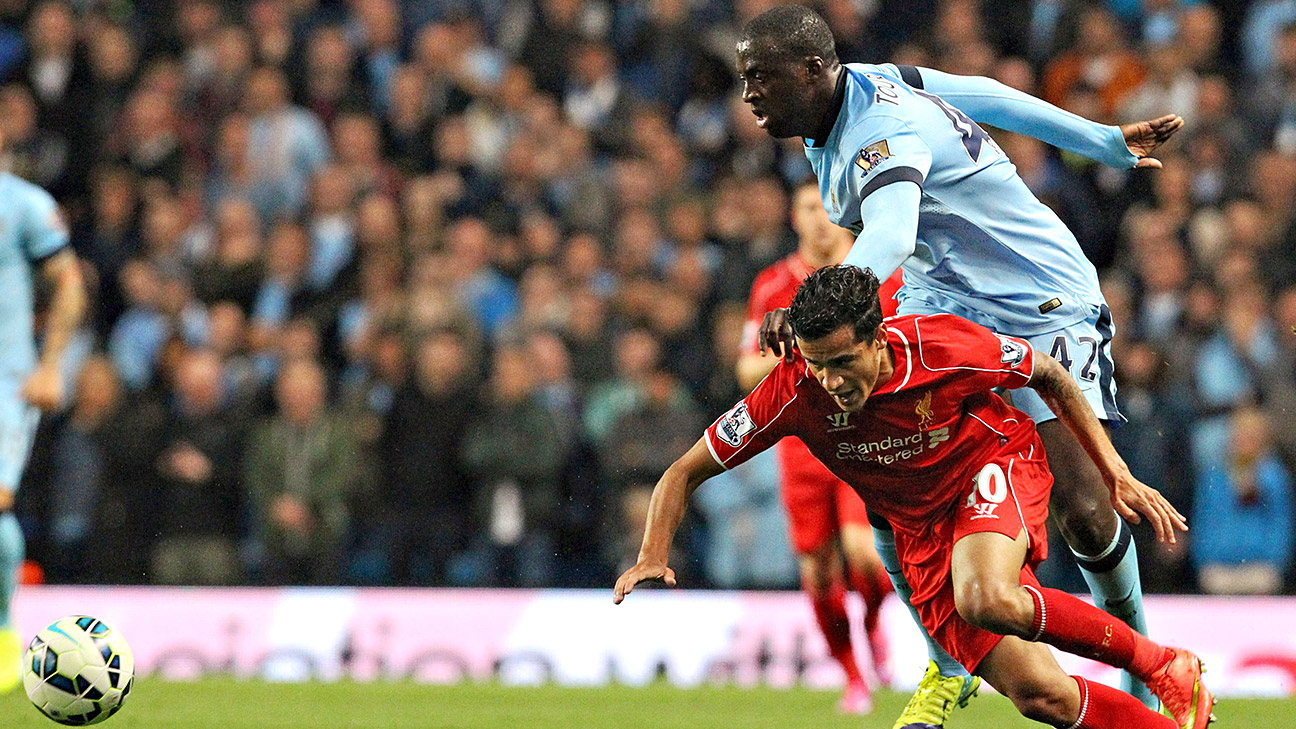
<point x="78" y="671"/>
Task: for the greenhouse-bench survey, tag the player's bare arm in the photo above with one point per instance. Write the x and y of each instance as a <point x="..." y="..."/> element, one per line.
<point x="1144" y="137"/>
<point x="1130" y="497"/>
<point x="669" y="501"/>
<point x="44" y="387"/>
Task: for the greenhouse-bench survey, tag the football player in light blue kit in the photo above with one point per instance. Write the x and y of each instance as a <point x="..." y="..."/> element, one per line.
<point x="32" y="238"/>
<point x="902" y="164"/>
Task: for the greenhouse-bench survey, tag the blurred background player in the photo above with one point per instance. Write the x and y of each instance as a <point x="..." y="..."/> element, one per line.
<point x="924" y="187"/>
<point x="32" y="237"/>
<point x="826" y="517"/>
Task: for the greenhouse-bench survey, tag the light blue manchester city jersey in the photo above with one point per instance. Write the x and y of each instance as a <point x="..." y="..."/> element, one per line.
<point x="986" y="247"/>
<point x="31" y="230"/>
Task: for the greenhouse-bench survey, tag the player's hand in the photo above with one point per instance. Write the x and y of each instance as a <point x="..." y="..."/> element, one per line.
<point x="44" y="388"/>
<point x="776" y="334"/>
<point x="641" y="573"/>
<point x="1144" y="137"/>
<point x="6" y="499"/>
<point x="1131" y="497"/>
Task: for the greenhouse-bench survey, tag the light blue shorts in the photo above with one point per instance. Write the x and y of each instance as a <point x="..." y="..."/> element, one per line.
<point x="1084" y="348"/>
<point x="18" y="422"/>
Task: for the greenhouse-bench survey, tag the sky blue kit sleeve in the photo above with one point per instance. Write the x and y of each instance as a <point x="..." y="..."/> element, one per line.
<point x="890" y="216"/>
<point x="989" y="102"/>
<point x="44" y="232"/>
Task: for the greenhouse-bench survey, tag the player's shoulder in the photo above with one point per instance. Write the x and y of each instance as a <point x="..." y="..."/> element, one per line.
<point x="25" y="193"/>
<point x="941" y="339"/>
<point x="771" y="282"/>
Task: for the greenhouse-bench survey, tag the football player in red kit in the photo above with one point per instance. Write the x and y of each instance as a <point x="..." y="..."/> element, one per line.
<point x="904" y="411"/>
<point x="826" y="518"/>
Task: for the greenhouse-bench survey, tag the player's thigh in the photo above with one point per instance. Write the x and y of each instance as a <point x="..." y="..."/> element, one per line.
<point x="1084" y="349"/>
<point x="812" y="515"/>
<point x="1029" y="675"/>
<point x="18" y="422"/>
<point x="856" y="532"/>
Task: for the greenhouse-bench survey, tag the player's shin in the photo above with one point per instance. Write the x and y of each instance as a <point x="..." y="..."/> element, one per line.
<point x="1103" y="707"/>
<point x="884" y="541"/>
<point x="1113" y="579"/>
<point x="830" y="612"/>
<point x="1073" y="625"/>
<point x="11" y="556"/>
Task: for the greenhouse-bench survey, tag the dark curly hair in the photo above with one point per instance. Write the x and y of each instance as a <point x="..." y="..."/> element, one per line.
<point x="792" y="32"/>
<point x="835" y="296"/>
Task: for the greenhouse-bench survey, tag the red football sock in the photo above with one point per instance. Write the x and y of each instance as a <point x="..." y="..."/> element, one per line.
<point x="1075" y="626"/>
<point x="830" y="611"/>
<point x="1103" y="707"/>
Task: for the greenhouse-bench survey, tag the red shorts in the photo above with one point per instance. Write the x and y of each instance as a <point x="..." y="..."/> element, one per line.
<point x="817" y="502"/>
<point x="1008" y="495"/>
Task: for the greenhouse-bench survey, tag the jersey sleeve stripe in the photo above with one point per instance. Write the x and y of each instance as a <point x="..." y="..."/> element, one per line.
<point x="908" y="357"/>
<point x="911" y="76"/>
<point x="895" y="174"/>
<point x="714" y="455"/>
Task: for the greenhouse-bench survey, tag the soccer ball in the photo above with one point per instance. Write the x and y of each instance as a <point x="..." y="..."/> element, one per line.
<point x="78" y="671"/>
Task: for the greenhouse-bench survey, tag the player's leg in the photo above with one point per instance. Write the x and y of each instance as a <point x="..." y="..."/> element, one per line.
<point x="813" y="531"/>
<point x="17" y="427"/>
<point x="867" y="575"/>
<point x="995" y="592"/>
<point x="1081" y="506"/>
<point x="946" y="683"/>
<point x="1031" y="678"/>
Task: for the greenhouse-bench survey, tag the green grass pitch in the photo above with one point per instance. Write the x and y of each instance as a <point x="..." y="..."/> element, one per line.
<point x="229" y="704"/>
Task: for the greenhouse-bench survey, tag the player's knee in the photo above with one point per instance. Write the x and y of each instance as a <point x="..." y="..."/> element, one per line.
<point x="1087" y="522"/>
<point x="815" y="576"/>
<point x="990" y="604"/>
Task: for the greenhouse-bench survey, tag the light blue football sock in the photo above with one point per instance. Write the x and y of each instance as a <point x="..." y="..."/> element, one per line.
<point x="1113" y="579"/>
<point x="11" y="557"/>
<point x="884" y="540"/>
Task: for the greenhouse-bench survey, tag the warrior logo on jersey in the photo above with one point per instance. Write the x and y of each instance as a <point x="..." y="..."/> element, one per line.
<point x="872" y="155"/>
<point x="924" y="411"/>
<point x="735" y="425"/>
<point x="1011" y="351"/>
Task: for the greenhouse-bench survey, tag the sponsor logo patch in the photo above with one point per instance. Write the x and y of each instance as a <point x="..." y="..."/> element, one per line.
<point x="872" y="155"/>
<point x="736" y="425"/>
<point x="1011" y="351"/>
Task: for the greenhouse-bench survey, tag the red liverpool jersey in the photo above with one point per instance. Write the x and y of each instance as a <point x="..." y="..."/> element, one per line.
<point x="921" y="437"/>
<point x="775" y="286"/>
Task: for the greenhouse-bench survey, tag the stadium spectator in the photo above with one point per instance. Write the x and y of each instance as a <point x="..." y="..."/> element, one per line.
<point x="301" y="471"/>
<point x="1243" y="533"/>
<point x="199" y="494"/>
<point x="514" y="452"/>
<point x="426" y="489"/>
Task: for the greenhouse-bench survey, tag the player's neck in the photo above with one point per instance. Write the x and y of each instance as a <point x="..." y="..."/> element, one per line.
<point x="886" y="368"/>
<point x="833" y="100"/>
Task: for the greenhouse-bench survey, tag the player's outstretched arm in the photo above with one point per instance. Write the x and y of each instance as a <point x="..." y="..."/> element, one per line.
<point x="997" y="104"/>
<point x="1130" y="497"/>
<point x="669" y="501"/>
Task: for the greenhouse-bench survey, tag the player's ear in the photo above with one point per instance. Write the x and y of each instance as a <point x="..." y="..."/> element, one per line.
<point x="813" y="66"/>
<point x="880" y="339"/>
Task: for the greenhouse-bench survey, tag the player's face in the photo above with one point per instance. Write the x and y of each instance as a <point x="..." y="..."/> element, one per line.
<point x="776" y="90"/>
<point x="809" y="219"/>
<point x="849" y="370"/>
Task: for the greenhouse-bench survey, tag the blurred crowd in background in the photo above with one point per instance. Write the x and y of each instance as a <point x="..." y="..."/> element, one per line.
<point x="429" y="292"/>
